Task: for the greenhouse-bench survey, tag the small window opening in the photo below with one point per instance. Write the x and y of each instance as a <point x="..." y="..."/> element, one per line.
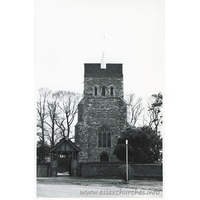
<point x="103" y="91"/>
<point x="111" y="91"/>
<point x="95" y="91"/>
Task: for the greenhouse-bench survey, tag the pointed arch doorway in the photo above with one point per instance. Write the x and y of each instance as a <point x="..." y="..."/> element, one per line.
<point x="104" y="157"/>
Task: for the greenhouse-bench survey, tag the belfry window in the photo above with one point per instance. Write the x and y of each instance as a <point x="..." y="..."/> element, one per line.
<point x="111" y="91"/>
<point x="95" y="91"/>
<point x="104" y="137"/>
<point x="103" y="91"/>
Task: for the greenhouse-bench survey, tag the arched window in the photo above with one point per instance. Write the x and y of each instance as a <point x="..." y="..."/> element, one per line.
<point x="100" y="139"/>
<point x="95" y="91"/>
<point x="103" y="91"/>
<point x="108" y="139"/>
<point x="104" y="137"/>
<point x="111" y="91"/>
<point x="104" y="157"/>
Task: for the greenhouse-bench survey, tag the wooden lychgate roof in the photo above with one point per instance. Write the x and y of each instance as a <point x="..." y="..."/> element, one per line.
<point x="65" y="145"/>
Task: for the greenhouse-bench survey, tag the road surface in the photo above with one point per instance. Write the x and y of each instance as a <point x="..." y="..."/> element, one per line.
<point x="69" y="187"/>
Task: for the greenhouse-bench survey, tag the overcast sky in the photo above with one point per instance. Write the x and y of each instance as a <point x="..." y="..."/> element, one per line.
<point x="69" y="33"/>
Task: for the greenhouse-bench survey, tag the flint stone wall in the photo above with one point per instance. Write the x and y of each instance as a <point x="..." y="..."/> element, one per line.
<point x="97" y="111"/>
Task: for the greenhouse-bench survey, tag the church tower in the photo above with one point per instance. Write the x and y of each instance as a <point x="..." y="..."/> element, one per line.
<point x="102" y="113"/>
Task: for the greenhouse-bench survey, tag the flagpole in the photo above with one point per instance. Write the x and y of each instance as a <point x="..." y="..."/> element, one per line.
<point x="103" y="62"/>
<point x="127" y="161"/>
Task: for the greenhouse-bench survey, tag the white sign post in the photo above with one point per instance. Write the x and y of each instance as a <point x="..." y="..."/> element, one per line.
<point x="127" y="161"/>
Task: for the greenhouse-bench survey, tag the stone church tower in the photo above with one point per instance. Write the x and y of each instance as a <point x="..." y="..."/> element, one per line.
<point x="102" y="113"/>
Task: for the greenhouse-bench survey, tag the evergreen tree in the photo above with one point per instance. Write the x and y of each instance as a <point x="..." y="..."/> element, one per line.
<point x="144" y="145"/>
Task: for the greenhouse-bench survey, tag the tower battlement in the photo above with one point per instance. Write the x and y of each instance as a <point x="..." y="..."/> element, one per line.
<point x="95" y="70"/>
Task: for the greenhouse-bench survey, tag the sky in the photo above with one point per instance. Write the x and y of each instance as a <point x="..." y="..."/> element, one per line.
<point x="69" y="33"/>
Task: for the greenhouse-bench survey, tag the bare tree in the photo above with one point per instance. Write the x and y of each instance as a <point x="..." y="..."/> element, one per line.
<point x="52" y="110"/>
<point x="60" y="123"/>
<point x="154" y="111"/>
<point x="43" y="95"/>
<point x="136" y="108"/>
<point x="145" y="121"/>
<point x="68" y="102"/>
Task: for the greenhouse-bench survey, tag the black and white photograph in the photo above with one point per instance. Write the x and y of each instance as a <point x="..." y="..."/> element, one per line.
<point x="100" y="97"/>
